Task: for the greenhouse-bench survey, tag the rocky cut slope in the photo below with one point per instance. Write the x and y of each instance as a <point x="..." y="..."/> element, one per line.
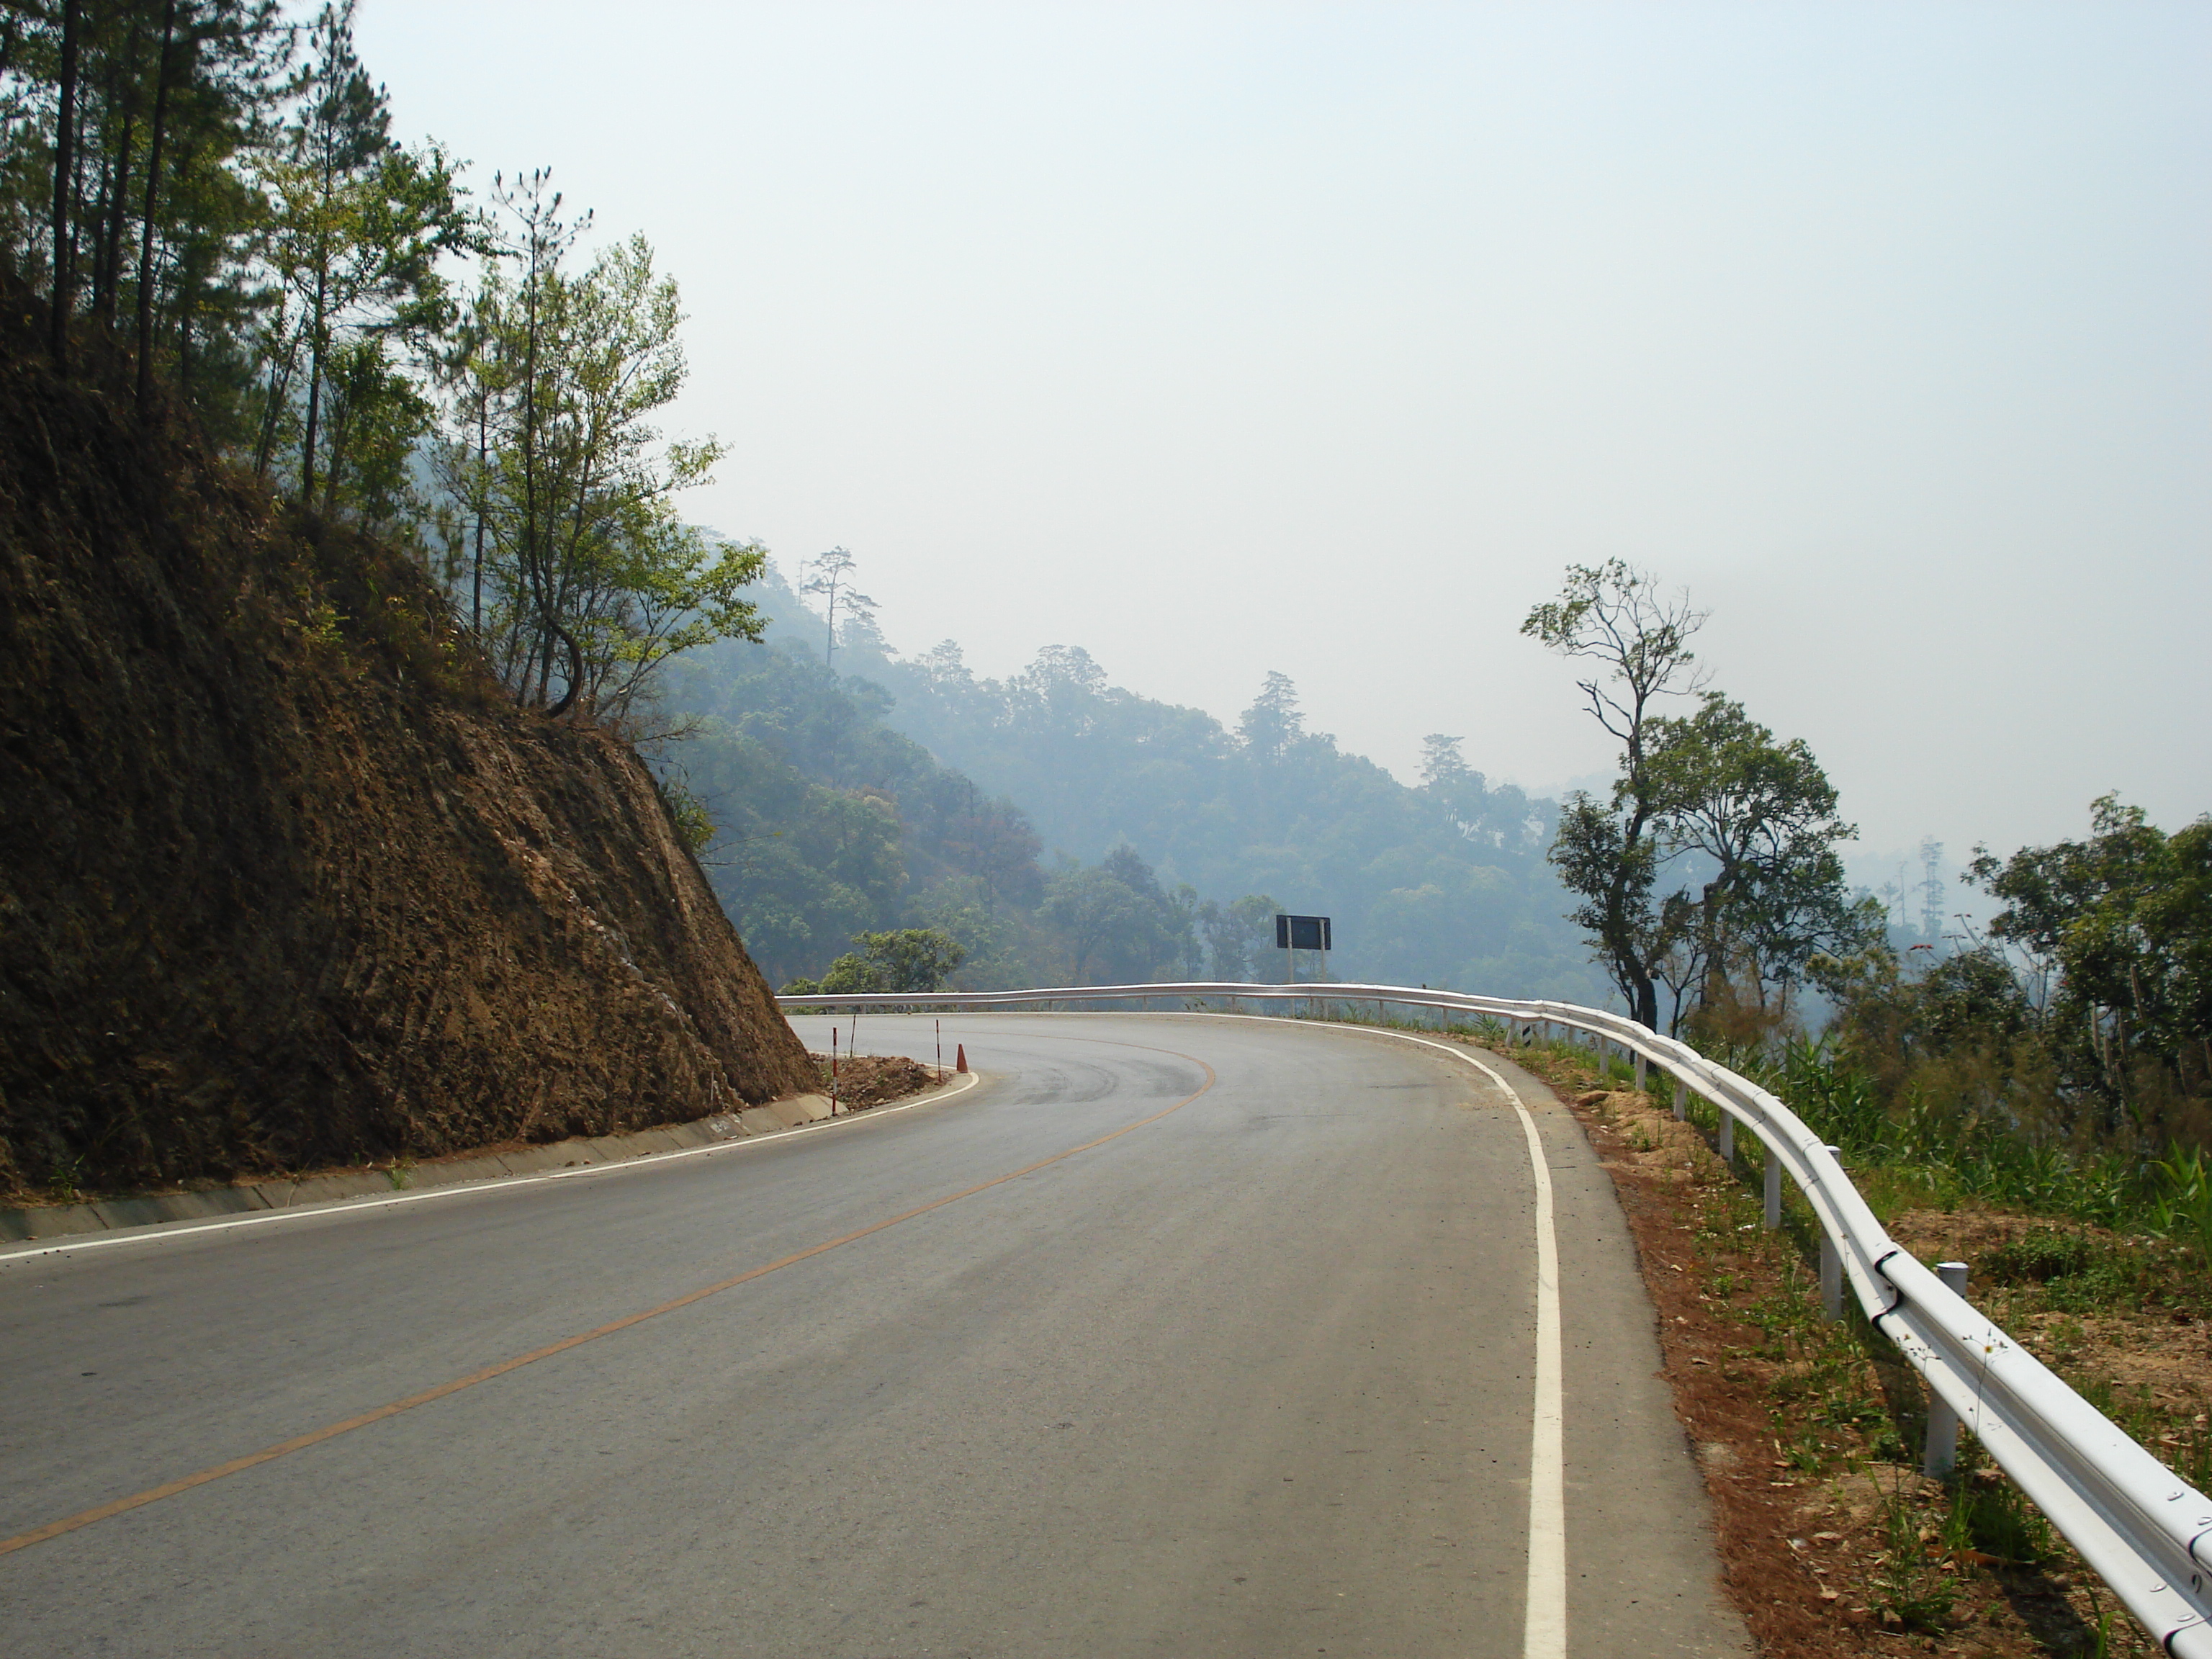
<point x="284" y="881"/>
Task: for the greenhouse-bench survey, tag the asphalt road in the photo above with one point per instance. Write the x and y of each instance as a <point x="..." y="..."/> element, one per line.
<point x="1254" y="1378"/>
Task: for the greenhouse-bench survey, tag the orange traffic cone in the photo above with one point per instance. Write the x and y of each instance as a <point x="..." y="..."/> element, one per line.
<point x="959" y="1056"/>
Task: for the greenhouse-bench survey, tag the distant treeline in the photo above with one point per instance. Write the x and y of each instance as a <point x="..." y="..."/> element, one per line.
<point x="1064" y="828"/>
<point x="827" y="824"/>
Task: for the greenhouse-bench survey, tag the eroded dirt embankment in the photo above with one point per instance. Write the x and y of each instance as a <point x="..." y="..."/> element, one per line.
<point x="283" y="880"/>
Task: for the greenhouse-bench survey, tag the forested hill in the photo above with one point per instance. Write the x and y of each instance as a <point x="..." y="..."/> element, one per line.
<point x="1445" y="884"/>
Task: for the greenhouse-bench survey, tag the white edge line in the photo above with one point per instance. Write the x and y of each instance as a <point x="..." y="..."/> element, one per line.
<point x="160" y="1232"/>
<point x="1544" y="1631"/>
<point x="1544" y="1634"/>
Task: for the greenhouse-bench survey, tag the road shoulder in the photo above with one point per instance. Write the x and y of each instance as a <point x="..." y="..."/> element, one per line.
<point x="46" y="1228"/>
<point x="1644" y="1564"/>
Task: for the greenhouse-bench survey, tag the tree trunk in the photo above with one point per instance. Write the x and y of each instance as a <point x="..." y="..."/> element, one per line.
<point x="64" y="170"/>
<point x="280" y="383"/>
<point x="1629" y="966"/>
<point x="100" y="226"/>
<point x="111" y="249"/>
<point x="314" y="392"/>
<point x="483" y="452"/>
<point x="111" y="242"/>
<point x="340" y="424"/>
<point x="575" y="654"/>
<point x="153" y="204"/>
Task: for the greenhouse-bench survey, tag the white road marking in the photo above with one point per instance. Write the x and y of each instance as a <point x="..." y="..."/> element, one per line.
<point x="162" y="1232"/>
<point x="1544" y="1632"/>
<point x="1544" y="1629"/>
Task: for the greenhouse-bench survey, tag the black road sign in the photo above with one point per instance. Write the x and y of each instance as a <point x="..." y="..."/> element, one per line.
<point x="1302" y="933"/>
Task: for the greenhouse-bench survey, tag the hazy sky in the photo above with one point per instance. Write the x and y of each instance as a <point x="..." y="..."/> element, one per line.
<point x="1220" y="338"/>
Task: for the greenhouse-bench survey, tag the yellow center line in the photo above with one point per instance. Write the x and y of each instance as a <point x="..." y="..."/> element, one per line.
<point x="331" y="1431"/>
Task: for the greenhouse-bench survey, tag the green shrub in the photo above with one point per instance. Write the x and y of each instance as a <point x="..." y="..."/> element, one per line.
<point x="2039" y="1256"/>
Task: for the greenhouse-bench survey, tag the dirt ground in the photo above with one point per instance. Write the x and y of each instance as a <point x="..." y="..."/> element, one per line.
<point x="860" y="1081"/>
<point x="1809" y="1433"/>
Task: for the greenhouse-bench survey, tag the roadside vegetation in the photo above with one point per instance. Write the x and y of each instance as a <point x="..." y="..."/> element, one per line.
<point x="2034" y="1099"/>
<point x="1810" y="1434"/>
<point x="2032" y="1102"/>
<point x="2062" y="1061"/>
<point x="1708" y="877"/>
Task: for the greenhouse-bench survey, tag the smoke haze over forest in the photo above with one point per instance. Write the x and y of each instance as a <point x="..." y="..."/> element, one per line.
<point x="1319" y="338"/>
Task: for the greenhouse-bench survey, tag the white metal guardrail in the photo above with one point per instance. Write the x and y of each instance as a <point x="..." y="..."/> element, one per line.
<point x="2145" y="1532"/>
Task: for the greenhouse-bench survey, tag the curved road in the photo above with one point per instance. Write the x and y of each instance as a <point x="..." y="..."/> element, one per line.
<point x="1252" y="1375"/>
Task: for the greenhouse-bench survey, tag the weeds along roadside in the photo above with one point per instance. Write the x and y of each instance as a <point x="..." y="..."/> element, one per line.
<point x="2101" y="1264"/>
<point x="1850" y="1538"/>
<point x="1927" y="1150"/>
<point x="1809" y="1433"/>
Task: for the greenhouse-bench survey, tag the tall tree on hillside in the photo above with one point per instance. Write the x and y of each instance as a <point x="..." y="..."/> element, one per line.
<point x="65" y="130"/>
<point x="1755" y="821"/>
<point x="1093" y="913"/>
<point x="1235" y="934"/>
<point x="357" y="226"/>
<point x="2120" y="925"/>
<point x="110" y="117"/>
<point x="1443" y="766"/>
<point x="1932" y="889"/>
<point x="1448" y="780"/>
<point x="471" y="372"/>
<point x="1500" y="818"/>
<point x="1120" y="926"/>
<point x="163" y="77"/>
<point x="1063" y="679"/>
<point x="1637" y="638"/>
<point x="559" y="464"/>
<point x="830" y="574"/>
<point x="218" y="82"/>
<point x="1274" y="724"/>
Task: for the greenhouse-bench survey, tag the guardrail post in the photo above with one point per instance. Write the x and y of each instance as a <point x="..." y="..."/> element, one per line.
<point x="1941" y="1452"/>
<point x="1681" y="1102"/>
<point x="1640" y="1074"/>
<point x="1773" y="1215"/>
<point x="1832" y="1272"/>
<point x="1727" y="1137"/>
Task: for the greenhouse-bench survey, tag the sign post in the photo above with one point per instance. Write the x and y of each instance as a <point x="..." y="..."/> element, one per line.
<point x="1297" y="933"/>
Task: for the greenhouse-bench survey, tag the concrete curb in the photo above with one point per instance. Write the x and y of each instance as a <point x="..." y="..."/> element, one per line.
<point x="114" y="1216"/>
